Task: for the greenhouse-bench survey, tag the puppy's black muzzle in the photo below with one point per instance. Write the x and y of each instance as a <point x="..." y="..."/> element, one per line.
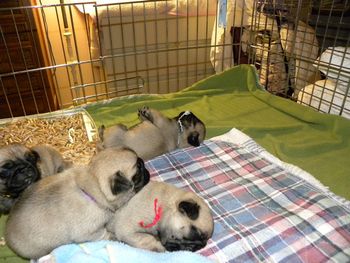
<point x="184" y="244"/>
<point x="18" y="175"/>
<point x="195" y="241"/>
<point x="142" y="177"/>
<point x="193" y="139"/>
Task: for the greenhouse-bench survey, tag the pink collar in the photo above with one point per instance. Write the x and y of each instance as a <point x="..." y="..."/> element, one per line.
<point x="157" y="215"/>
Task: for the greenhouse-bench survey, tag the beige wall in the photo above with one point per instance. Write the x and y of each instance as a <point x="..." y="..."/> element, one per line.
<point x="127" y="63"/>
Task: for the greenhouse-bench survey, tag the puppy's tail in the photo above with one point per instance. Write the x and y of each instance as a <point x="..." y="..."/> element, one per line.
<point x="101" y="131"/>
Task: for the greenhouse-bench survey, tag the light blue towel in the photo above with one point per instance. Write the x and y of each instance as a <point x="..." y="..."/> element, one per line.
<point x="110" y="251"/>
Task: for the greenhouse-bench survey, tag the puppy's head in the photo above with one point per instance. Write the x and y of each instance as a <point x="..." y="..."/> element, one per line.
<point x="50" y="161"/>
<point x="18" y="169"/>
<point x="191" y="130"/>
<point x="188" y="226"/>
<point x="120" y="174"/>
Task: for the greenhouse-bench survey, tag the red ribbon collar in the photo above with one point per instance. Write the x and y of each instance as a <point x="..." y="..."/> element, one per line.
<point x="157" y="215"/>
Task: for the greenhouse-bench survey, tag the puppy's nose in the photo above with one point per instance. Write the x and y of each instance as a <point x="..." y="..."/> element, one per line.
<point x="193" y="139"/>
<point x="204" y="237"/>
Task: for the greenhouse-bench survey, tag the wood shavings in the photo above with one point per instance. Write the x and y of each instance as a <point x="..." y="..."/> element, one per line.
<point x="67" y="134"/>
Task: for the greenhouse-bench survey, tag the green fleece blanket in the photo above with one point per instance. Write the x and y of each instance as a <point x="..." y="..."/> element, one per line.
<point x="316" y="142"/>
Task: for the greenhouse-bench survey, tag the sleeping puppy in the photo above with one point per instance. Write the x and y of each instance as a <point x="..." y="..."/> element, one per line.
<point x="75" y="206"/>
<point x="156" y="134"/>
<point x="162" y="217"/>
<point x="50" y="160"/>
<point x="21" y="166"/>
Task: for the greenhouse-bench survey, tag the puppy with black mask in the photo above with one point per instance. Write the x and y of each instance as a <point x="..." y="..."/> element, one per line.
<point x="21" y="166"/>
<point x="162" y="217"/>
<point x="156" y="134"/>
<point x="75" y="206"/>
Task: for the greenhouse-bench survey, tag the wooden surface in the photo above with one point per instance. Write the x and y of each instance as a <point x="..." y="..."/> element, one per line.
<point x="24" y="90"/>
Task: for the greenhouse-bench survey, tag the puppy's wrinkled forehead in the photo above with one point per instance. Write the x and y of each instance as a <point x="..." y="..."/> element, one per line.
<point x="13" y="152"/>
<point x="112" y="160"/>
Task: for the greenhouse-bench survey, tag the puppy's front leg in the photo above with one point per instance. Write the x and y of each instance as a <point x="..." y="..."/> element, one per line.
<point x="144" y="241"/>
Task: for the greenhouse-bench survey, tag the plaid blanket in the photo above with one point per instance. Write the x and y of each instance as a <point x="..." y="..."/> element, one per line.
<point x="262" y="211"/>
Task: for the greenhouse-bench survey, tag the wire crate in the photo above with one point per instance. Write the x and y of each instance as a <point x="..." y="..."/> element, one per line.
<point x="58" y="54"/>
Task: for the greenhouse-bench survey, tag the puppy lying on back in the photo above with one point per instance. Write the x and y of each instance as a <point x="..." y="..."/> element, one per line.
<point x="75" y="206"/>
<point x="21" y="166"/>
<point x="156" y="134"/>
<point x="162" y="217"/>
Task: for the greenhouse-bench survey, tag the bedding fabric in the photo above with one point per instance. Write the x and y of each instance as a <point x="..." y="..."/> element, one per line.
<point x="262" y="212"/>
<point x="316" y="142"/>
<point x="114" y="252"/>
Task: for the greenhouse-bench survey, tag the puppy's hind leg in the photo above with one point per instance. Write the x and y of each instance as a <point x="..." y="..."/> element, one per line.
<point x="145" y="114"/>
<point x="152" y="115"/>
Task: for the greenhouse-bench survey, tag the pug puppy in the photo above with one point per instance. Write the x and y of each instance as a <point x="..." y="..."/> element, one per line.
<point x="21" y="166"/>
<point x="75" y="206"/>
<point x="50" y="160"/>
<point x="156" y="134"/>
<point x="162" y="217"/>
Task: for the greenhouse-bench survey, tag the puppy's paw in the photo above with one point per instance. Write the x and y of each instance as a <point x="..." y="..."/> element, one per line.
<point x="155" y="246"/>
<point x="159" y="248"/>
<point x="145" y="114"/>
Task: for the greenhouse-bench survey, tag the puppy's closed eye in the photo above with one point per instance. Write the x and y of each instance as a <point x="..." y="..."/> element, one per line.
<point x="120" y="184"/>
<point x="8" y="165"/>
<point x="60" y="169"/>
<point x="191" y="209"/>
<point x="5" y="170"/>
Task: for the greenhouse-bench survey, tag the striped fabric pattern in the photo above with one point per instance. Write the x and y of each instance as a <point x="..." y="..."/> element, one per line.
<point x="262" y="213"/>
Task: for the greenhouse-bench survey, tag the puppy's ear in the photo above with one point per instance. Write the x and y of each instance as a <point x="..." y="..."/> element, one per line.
<point x="188" y="119"/>
<point x="120" y="184"/>
<point x="189" y="208"/>
<point x="142" y="176"/>
<point x="32" y="157"/>
<point x="193" y="139"/>
<point x="180" y="114"/>
<point x="64" y="166"/>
